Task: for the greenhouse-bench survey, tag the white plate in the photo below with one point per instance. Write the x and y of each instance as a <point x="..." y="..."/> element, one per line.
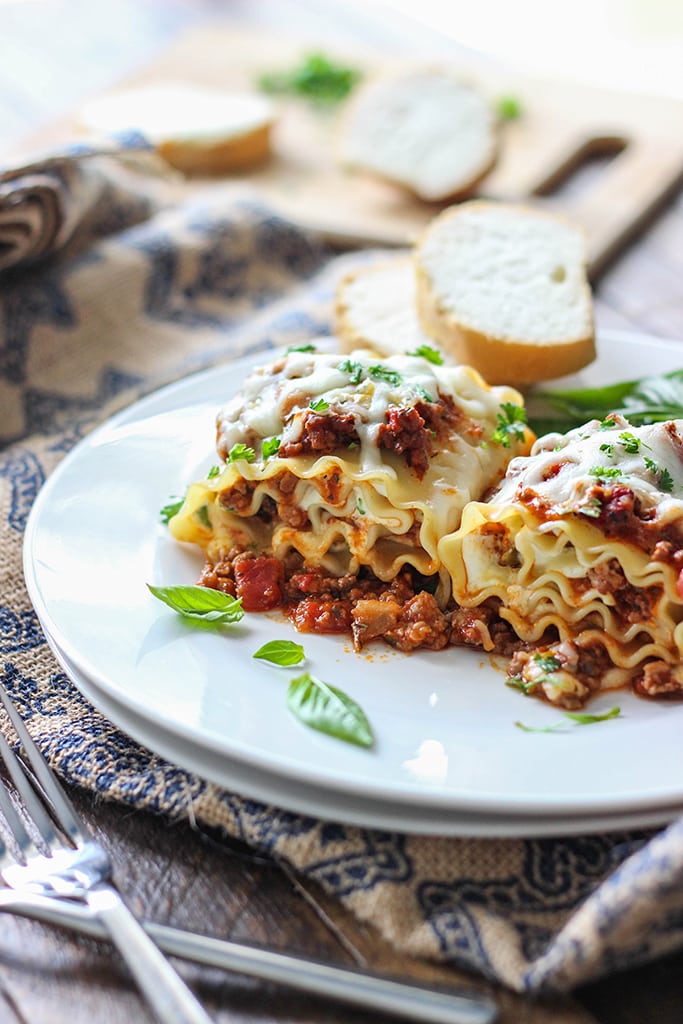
<point x="343" y="807"/>
<point x="444" y="722"/>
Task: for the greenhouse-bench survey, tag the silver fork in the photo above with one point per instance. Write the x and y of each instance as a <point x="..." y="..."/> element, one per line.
<point x="80" y="870"/>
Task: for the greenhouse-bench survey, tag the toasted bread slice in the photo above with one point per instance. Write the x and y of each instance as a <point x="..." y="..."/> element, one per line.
<point x="504" y="289"/>
<point x="375" y="308"/>
<point x="196" y="130"/>
<point x="422" y="129"/>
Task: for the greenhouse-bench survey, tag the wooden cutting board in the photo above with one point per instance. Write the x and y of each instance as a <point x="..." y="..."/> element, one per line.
<point x="562" y="125"/>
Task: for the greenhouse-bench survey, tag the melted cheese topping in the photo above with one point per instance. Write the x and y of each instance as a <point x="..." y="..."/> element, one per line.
<point x="360" y="504"/>
<point x="562" y="468"/>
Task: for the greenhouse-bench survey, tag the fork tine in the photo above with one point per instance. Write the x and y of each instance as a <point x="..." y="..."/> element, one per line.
<point x="16" y="827"/>
<point x="32" y="802"/>
<point x="61" y="805"/>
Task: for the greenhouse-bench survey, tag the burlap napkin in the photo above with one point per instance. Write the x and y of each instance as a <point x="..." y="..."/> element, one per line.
<point x="186" y="287"/>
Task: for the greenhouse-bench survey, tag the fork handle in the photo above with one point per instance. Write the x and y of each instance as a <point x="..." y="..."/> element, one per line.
<point x="164" y="989"/>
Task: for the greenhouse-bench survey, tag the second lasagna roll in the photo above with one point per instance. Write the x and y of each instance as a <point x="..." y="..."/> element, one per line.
<point x="580" y="553"/>
<point x="352" y="461"/>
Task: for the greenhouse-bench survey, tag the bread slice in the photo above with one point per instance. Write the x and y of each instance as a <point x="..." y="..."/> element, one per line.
<point x="504" y="289"/>
<point x="423" y="129"/>
<point x="375" y="308"/>
<point x="196" y="130"/>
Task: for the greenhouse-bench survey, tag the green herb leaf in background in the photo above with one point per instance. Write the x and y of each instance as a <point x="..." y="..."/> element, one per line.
<point x="648" y="400"/>
<point x="281" y="652"/>
<point x="329" y="710"/>
<point x="508" y="108"/>
<point x="201" y="603"/>
<point x="316" y="78"/>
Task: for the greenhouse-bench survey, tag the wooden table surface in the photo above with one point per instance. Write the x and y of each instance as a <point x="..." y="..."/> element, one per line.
<point x="52" y="56"/>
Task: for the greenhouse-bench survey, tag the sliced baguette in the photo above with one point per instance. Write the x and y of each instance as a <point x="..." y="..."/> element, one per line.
<point x="196" y="130"/>
<point x="422" y="129"/>
<point x="504" y="289"/>
<point x="375" y="308"/>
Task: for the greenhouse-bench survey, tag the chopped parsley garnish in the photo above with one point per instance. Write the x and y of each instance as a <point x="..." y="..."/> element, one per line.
<point x="213" y="472"/>
<point x="202" y="514"/>
<point x="171" y="509"/>
<point x="240" y="452"/>
<point x="269" y="447"/>
<point x="608" y="449"/>
<point x="385" y="374"/>
<point x="592" y="508"/>
<point x="354" y="370"/>
<point x="578" y="718"/>
<point x="511" y="423"/>
<point x="520" y="684"/>
<point x="665" y="481"/>
<point x="630" y="443"/>
<point x="360" y="506"/>
<point x="547" y="662"/>
<point x="319" y="405"/>
<point x="301" y="348"/>
<point x="607" y="424"/>
<point x="423" y="393"/>
<point x="432" y="355"/>
<point x="605" y="472"/>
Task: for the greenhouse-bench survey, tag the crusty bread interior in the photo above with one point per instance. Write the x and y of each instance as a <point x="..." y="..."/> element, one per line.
<point x="424" y="130"/>
<point x="504" y="289"/>
<point x="375" y="307"/>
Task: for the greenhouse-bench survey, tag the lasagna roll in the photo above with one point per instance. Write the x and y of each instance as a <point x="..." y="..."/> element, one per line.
<point x="348" y="465"/>
<point x="579" y="552"/>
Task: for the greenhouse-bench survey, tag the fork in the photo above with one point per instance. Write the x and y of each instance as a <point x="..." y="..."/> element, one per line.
<point x="80" y="870"/>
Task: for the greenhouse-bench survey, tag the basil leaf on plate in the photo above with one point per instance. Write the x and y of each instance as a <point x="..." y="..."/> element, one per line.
<point x="200" y="603"/>
<point x="281" y="652"/>
<point x="329" y="710"/>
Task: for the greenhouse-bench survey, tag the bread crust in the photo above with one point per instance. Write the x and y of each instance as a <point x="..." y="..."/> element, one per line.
<point x="200" y="157"/>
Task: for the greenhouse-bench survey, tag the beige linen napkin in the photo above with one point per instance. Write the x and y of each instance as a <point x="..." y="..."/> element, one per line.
<point x="160" y="292"/>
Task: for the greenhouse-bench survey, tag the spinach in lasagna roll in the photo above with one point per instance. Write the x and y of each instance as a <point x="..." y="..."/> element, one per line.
<point x="579" y="552"/>
<point x="338" y="477"/>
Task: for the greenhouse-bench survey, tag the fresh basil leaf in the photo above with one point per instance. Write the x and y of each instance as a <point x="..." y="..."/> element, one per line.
<point x="329" y="710"/>
<point x="171" y="509"/>
<point x="648" y="400"/>
<point x="202" y="603"/>
<point x="281" y="652"/>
